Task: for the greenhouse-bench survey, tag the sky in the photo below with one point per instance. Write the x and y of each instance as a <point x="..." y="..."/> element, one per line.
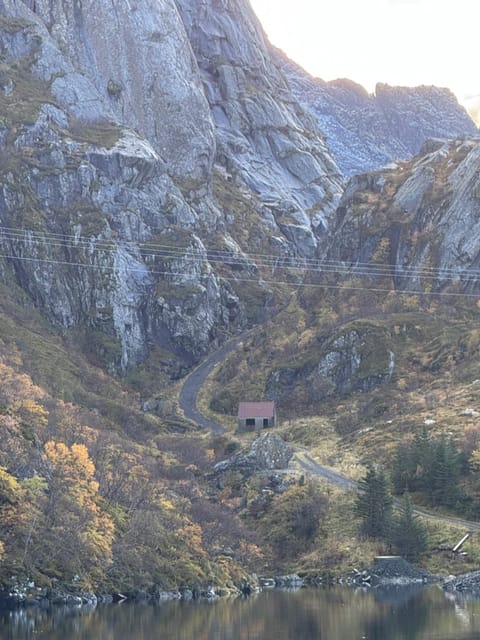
<point x="400" y="42"/>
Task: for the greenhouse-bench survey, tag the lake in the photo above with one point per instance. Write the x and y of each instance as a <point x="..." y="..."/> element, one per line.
<point x="336" y="613"/>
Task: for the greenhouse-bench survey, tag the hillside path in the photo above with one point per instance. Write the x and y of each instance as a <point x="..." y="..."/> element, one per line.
<point x="307" y="464"/>
<point x="302" y="459"/>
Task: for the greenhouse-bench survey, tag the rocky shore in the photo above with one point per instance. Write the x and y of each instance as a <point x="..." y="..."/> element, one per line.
<point x="393" y="570"/>
<point x="26" y="595"/>
<point x="385" y="572"/>
<point x="465" y="583"/>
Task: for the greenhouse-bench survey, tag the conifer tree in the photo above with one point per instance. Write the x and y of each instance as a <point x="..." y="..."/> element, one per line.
<point x="421" y="452"/>
<point x="404" y="469"/>
<point x="374" y="504"/>
<point x="407" y="534"/>
<point x="444" y="473"/>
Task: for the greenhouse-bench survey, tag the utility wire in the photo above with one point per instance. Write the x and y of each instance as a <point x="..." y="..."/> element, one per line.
<point x="259" y="280"/>
<point x="156" y="251"/>
<point x="149" y="250"/>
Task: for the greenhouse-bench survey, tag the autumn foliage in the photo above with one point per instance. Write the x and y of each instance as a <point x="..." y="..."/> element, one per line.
<point x="84" y="506"/>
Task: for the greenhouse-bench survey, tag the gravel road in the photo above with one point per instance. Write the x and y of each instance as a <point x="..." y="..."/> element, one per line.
<point x="188" y="403"/>
<point x="309" y="465"/>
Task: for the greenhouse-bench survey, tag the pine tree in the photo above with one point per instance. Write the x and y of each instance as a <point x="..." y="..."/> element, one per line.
<point x="421" y="451"/>
<point x="407" y="534"/>
<point x="444" y="473"/>
<point x="374" y="504"/>
<point x="404" y="469"/>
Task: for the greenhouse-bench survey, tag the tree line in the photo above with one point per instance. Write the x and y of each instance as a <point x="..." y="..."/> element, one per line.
<point x="432" y="466"/>
<point x="400" y="529"/>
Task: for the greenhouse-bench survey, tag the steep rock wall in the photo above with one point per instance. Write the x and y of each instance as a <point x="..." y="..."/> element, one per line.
<point x="365" y="132"/>
<point x="109" y="143"/>
<point x="139" y="59"/>
<point x="80" y="200"/>
<point x="264" y="137"/>
<point x="419" y="223"/>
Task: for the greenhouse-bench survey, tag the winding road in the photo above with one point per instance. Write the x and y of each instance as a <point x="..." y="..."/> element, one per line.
<point x="188" y="403"/>
<point x="187" y="399"/>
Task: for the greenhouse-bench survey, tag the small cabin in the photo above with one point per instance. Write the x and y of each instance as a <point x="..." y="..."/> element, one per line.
<point x="254" y="416"/>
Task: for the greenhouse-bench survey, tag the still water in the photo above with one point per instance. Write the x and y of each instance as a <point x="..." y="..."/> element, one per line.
<point x="317" y="614"/>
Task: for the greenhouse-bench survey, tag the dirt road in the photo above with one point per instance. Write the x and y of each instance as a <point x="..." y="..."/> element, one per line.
<point x="309" y="465"/>
<point x="303" y="460"/>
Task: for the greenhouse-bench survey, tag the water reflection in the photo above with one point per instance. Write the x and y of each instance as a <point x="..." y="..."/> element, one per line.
<point x="333" y="614"/>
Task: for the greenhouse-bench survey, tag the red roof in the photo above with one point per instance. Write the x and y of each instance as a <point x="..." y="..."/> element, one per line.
<point x="256" y="410"/>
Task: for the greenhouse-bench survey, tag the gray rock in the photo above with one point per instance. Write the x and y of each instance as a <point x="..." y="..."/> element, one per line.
<point x="144" y="50"/>
<point x="290" y="581"/>
<point x="395" y="570"/>
<point x="465" y="583"/>
<point x="268" y="452"/>
<point x="105" y="598"/>
<point x="355" y="358"/>
<point x="112" y="189"/>
<point x="263" y="137"/>
<point x="425" y="214"/>
<point x="365" y="132"/>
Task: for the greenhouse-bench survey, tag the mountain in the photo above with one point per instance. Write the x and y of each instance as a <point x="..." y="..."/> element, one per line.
<point x="367" y="131"/>
<point x="134" y="126"/>
<point x="161" y="190"/>
<point x="423" y="216"/>
<point x="394" y="299"/>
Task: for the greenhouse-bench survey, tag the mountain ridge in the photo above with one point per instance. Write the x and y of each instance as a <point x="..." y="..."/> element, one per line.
<point x="367" y="131"/>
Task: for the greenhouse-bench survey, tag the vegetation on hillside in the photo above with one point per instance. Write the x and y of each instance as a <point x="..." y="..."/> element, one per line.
<point x="98" y="493"/>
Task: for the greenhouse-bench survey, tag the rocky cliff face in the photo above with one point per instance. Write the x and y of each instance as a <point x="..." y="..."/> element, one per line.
<point x="137" y="58"/>
<point x="151" y="156"/>
<point x="264" y="138"/>
<point x="358" y="357"/>
<point x="82" y="193"/>
<point x="416" y="225"/>
<point x="366" y="132"/>
<point x="136" y="140"/>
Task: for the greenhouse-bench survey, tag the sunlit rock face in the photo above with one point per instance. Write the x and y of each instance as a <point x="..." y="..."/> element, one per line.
<point x="104" y="187"/>
<point x="264" y="137"/>
<point x="164" y="124"/>
<point x="421" y="219"/>
<point x="138" y="57"/>
<point x="366" y="131"/>
<point x="88" y="211"/>
<point x="118" y="148"/>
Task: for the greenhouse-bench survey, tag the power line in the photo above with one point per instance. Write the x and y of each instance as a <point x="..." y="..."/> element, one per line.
<point x="258" y="260"/>
<point x="259" y="280"/>
<point x="150" y="250"/>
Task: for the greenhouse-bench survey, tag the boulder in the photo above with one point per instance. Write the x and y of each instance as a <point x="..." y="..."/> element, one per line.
<point x="267" y="453"/>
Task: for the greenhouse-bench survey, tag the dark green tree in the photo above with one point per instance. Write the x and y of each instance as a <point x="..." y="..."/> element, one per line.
<point x="374" y="504"/>
<point x="407" y="535"/>
<point x="444" y="473"/>
<point x="411" y="464"/>
<point x="430" y="465"/>
<point x="404" y="469"/>
<point x="421" y="454"/>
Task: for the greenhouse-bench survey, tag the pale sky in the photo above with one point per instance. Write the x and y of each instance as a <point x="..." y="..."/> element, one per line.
<point x="400" y="42"/>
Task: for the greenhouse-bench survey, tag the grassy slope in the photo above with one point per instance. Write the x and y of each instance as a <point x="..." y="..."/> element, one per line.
<point x="436" y="377"/>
